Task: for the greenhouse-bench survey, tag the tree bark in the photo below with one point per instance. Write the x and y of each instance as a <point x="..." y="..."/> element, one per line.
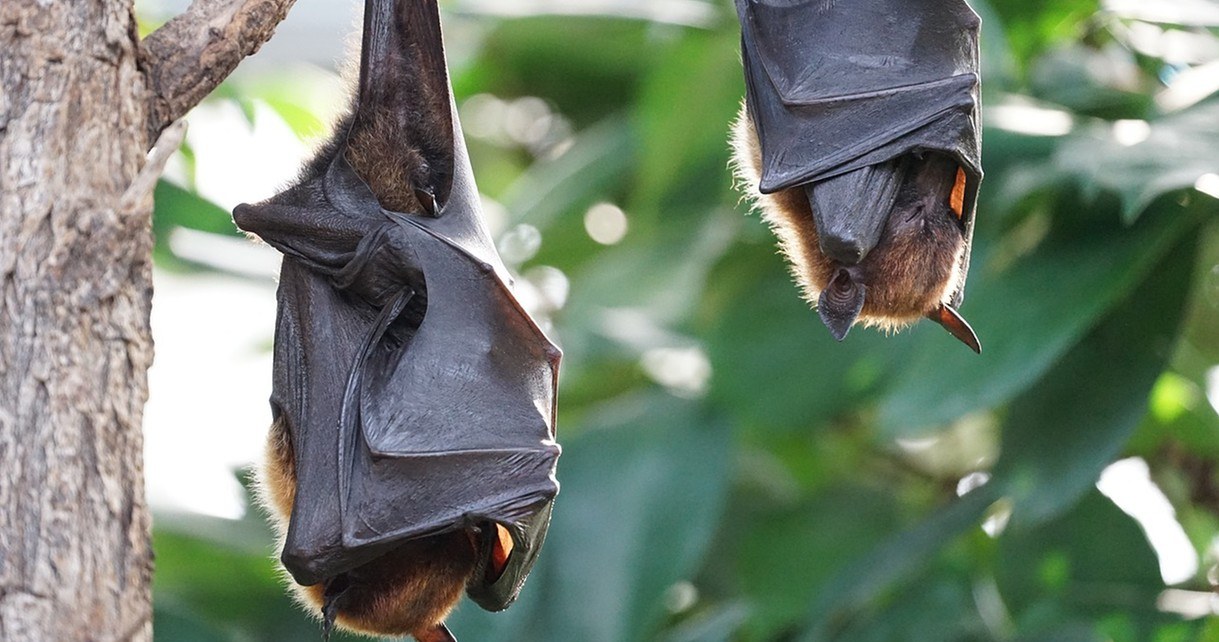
<point x="76" y="117"/>
<point x="75" y="344"/>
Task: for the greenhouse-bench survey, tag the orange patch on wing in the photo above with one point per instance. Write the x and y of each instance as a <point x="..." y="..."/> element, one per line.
<point x="957" y="200"/>
<point x="501" y="551"/>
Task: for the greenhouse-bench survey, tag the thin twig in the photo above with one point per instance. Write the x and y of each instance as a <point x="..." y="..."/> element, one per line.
<point x="139" y="192"/>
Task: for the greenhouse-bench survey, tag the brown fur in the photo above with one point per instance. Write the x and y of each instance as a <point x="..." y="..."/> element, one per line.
<point x="409" y="590"/>
<point x="388" y="166"/>
<point x="912" y="270"/>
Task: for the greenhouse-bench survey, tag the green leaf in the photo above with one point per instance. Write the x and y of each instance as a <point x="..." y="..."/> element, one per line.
<point x="177" y="207"/>
<point x="1086" y="565"/>
<point x="788" y="554"/>
<point x="642" y="492"/>
<point x="1027" y="317"/>
<point x="1032" y="25"/>
<point x="939" y="607"/>
<point x="1178" y="150"/>
<point x="695" y="89"/>
<point x="1063" y="431"/>
<point x="863" y="580"/>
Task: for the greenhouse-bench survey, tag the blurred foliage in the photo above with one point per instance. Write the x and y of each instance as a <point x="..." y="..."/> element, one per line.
<point x="732" y="473"/>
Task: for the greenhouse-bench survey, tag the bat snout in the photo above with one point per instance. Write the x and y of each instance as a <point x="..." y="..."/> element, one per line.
<point x="843" y="249"/>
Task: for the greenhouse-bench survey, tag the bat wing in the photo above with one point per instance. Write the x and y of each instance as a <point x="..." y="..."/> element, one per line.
<point x="454" y="426"/>
<point x="837" y="86"/>
<point x="418" y="393"/>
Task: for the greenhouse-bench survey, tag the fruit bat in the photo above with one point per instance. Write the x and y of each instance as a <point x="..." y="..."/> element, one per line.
<point x="412" y="453"/>
<point x="859" y="140"/>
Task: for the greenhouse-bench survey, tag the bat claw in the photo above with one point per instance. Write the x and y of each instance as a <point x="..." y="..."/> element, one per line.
<point x="956" y="325"/>
<point x="439" y="633"/>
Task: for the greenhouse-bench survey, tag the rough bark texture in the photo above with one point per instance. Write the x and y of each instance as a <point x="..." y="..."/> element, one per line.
<point x="75" y="345"/>
<point x="75" y="289"/>
<point x="195" y="51"/>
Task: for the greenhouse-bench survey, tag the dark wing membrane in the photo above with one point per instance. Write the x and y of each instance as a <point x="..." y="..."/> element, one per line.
<point x="528" y="534"/>
<point x="462" y="413"/>
<point x="418" y="393"/>
<point x="835" y="86"/>
<point x="317" y="337"/>
<point x="817" y="50"/>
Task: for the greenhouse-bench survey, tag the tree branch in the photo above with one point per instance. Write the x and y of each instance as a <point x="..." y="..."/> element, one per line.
<point x="189" y="56"/>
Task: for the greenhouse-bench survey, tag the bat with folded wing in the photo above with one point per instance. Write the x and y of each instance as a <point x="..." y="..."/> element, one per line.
<point x="412" y="454"/>
<point x="860" y="141"/>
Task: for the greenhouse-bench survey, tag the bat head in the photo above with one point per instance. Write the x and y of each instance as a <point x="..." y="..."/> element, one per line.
<point x="882" y="245"/>
<point x="412" y="586"/>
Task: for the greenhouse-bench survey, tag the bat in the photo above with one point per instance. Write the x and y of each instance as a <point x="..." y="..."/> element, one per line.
<point x="859" y="141"/>
<point x="412" y="452"/>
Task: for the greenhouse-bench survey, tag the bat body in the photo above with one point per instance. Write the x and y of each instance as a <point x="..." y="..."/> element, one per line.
<point x="412" y="453"/>
<point x="859" y="141"/>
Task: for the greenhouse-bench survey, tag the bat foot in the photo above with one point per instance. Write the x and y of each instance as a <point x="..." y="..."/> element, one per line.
<point x="332" y="595"/>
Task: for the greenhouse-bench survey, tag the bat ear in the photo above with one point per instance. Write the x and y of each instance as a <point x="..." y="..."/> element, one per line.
<point x="956" y="325"/>
<point x="840" y="304"/>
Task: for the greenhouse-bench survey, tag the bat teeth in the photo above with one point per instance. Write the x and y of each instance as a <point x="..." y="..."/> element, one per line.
<point x="840" y="303"/>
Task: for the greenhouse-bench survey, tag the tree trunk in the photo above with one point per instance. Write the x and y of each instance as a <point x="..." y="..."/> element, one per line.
<point x="75" y="344"/>
<point x="80" y="97"/>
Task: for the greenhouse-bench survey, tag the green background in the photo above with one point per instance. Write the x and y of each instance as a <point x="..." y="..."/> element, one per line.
<point x="732" y="473"/>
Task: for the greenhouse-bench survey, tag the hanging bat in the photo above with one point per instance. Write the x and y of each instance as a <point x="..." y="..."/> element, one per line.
<point x="859" y="140"/>
<point x="412" y="453"/>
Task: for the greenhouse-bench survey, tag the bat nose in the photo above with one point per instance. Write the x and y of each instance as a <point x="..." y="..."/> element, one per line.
<point x="843" y="249"/>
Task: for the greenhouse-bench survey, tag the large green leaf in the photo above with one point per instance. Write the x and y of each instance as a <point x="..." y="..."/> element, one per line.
<point x="1085" y="566"/>
<point x="1176" y="152"/>
<point x="695" y="89"/>
<point x="1063" y="431"/>
<point x="643" y="490"/>
<point x="789" y="553"/>
<point x="862" y="580"/>
<point x="1027" y="317"/>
